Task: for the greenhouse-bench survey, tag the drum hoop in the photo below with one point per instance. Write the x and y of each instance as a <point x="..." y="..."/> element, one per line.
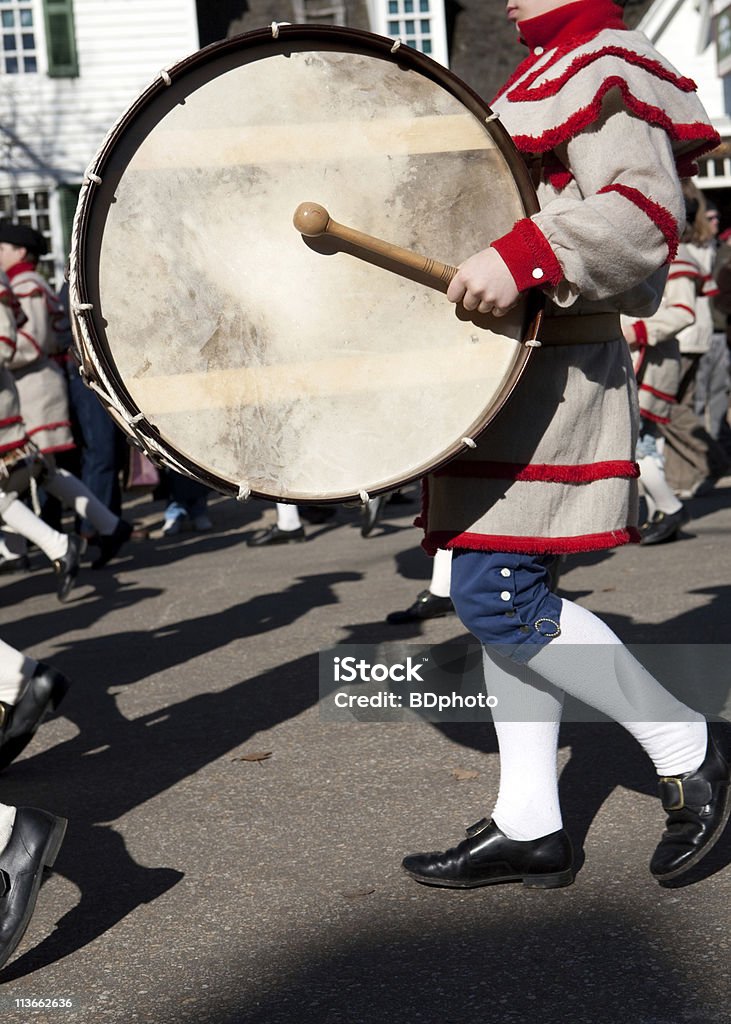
<point x="96" y="366"/>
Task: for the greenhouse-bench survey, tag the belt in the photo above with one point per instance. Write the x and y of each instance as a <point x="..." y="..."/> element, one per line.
<point x="591" y="329"/>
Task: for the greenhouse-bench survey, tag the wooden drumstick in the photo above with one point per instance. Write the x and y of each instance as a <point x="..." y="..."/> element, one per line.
<point x="312" y="220"/>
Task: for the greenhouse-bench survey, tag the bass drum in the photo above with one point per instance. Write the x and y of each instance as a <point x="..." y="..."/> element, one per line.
<point x="261" y="362"/>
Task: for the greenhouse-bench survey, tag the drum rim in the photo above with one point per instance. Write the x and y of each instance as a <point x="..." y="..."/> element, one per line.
<point x="144" y="434"/>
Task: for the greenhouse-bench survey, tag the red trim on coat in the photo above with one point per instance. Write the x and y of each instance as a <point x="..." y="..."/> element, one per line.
<point x="8" y="341"/>
<point x="536" y="473"/>
<point x="707" y="138"/>
<point x="20" y="268"/>
<point x="32" y="341"/>
<point x="653" y="416"/>
<point x="658" y="394"/>
<point x="556" y="173"/>
<point x="525" y="249"/>
<point x="50" y="426"/>
<point x="51" y="448"/>
<point x="640" y="329"/>
<point x="659" y="216"/>
<point x="530" y="545"/>
<point x="686" y="309"/>
<point x="527" y="92"/>
<point x="10" y="421"/>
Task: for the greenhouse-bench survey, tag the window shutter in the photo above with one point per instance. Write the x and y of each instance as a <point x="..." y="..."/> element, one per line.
<point x="61" y="39"/>
<point x="69" y="196"/>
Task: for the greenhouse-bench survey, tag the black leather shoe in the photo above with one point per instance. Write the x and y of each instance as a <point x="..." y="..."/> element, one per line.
<point x="698" y="805"/>
<point x="372" y="512"/>
<point x="45" y="691"/>
<point x="11" y="565"/>
<point x="276" y="536"/>
<point x="487" y="857"/>
<point x="67" y="568"/>
<point x="426" y="606"/>
<point x="663" y="526"/>
<point x="33" y="846"/>
<point x="109" y="545"/>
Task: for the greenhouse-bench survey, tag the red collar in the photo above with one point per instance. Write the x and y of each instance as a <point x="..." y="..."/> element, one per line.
<point x="580" y="19"/>
<point x="20" y="268"/>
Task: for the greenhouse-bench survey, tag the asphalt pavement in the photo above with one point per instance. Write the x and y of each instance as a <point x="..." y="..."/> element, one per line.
<point x="233" y="853"/>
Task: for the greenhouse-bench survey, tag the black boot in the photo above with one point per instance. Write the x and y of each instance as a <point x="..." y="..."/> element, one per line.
<point x="426" y="606"/>
<point x="487" y="856"/>
<point x="110" y="544"/>
<point x="45" y="691"/>
<point x="698" y="805"/>
<point x="67" y="568"/>
<point x="664" y="526"/>
<point x="33" y="845"/>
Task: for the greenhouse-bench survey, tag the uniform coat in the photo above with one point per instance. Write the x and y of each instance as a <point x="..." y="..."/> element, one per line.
<point x="611" y="126"/>
<point x="41" y="383"/>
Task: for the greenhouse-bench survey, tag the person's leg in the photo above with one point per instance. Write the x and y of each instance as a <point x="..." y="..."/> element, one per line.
<point x="712" y="386"/>
<point x="100" y="462"/>
<point x="665" y="512"/>
<point x="29" y="843"/>
<point x="76" y="495"/>
<point x="434" y="602"/>
<point x="495" y="596"/>
<point x="505" y="600"/>
<point x="288" y="528"/>
<point x="112" y="531"/>
<point x="28" y="690"/>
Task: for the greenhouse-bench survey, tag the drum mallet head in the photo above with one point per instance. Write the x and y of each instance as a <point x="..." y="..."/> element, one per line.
<point x="311" y="219"/>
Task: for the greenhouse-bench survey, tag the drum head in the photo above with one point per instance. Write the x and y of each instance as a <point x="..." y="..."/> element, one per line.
<point x="263" y="362"/>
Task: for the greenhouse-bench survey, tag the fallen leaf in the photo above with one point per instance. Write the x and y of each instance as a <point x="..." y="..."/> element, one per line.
<point x="463" y="774"/>
<point x="257" y="755"/>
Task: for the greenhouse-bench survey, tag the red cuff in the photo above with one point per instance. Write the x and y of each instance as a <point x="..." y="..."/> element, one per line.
<point x="528" y="256"/>
<point x="640" y="329"/>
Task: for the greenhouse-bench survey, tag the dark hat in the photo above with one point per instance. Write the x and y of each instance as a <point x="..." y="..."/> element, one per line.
<point x="22" y="235"/>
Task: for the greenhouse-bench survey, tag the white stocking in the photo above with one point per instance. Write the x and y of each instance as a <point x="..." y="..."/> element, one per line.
<point x="7" y="820"/>
<point x="72" y="493"/>
<point x="288" y="517"/>
<point x="527" y="718"/>
<point x="441" y="573"/>
<point x="591" y="663"/>
<point x="15" y="671"/>
<point x="52" y="543"/>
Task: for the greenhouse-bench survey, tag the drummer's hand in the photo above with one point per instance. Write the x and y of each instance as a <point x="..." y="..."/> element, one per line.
<point x="484" y="283"/>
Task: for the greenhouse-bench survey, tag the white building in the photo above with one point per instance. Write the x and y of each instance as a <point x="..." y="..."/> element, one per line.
<point x="695" y="36"/>
<point x="68" y="70"/>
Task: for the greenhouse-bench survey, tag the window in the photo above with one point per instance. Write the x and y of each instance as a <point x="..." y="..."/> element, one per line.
<point x="406" y="18"/>
<point x="418" y="23"/>
<point x="61" y="38"/>
<point x="19" y="37"/>
<point x="31" y="208"/>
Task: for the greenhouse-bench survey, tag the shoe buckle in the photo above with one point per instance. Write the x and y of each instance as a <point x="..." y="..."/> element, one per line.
<point x="672" y="794"/>
<point x="479" y="826"/>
